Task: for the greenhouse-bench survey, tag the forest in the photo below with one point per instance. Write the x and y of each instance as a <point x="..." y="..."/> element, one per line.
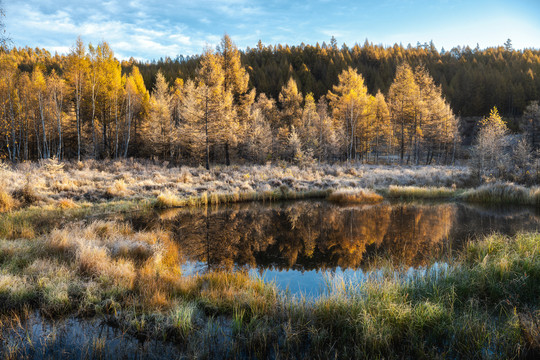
<point x="296" y="104"/>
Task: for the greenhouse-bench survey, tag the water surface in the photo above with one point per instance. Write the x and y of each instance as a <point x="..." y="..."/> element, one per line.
<point x="298" y="244"/>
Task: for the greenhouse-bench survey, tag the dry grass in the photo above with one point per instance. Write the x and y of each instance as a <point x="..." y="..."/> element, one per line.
<point x="142" y="179"/>
<point x="118" y="189"/>
<point x="168" y="200"/>
<point x="503" y="193"/>
<point x="7" y="203"/>
<point x="345" y="196"/>
<point x="67" y="204"/>
<point x="417" y="192"/>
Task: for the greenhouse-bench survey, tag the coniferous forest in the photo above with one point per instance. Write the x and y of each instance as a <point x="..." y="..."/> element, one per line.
<point x="301" y="103"/>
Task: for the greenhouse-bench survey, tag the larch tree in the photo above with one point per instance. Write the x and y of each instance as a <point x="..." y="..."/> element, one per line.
<point x="402" y="98"/>
<point x="110" y="95"/>
<point x="327" y="138"/>
<point x="40" y="88"/>
<point x="137" y="103"/>
<point x="176" y="100"/>
<point x="490" y="142"/>
<point x="3" y="37"/>
<point x="350" y="102"/>
<point x="56" y="88"/>
<point x="9" y="100"/>
<point x="76" y="74"/>
<point x="258" y="138"/>
<point x="290" y="101"/>
<point x="308" y="126"/>
<point x="95" y="81"/>
<point x="235" y="82"/>
<point x="382" y="129"/>
<point x="531" y="124"/>
<point x="217" y="104"/>
<point x="192" y="135"/>
<point x="162" y="132"/>
<point x="435" y="125"/>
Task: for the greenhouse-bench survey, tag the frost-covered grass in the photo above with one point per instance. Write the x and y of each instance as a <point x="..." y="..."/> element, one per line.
<point x="95" y="181"/>
<point x="503" y="193"/>
<point x="347" y="196"/>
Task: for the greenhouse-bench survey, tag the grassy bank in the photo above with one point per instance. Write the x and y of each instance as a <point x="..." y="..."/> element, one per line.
<point x="484" y="304"/>
<point x="171" y="200"/>
<point x="503" y="193"/>
<point x="94" y="181"/>
<point x="77" y="184"/>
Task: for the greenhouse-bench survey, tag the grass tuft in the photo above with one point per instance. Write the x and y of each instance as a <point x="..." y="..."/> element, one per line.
<point x="420" y="192"/>
<point x="7" y="203"/>
<point x="503" y="193"/>
<point x="344" y="196"/>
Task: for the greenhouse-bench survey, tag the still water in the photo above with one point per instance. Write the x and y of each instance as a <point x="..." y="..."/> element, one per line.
<point x="297" y="245"/>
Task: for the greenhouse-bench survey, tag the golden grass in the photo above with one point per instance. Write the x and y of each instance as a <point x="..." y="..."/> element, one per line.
<point x="7" y="203"/>
<point x="420" y="192"/>
<point x="346" y="196"/>
<point x="503" y="193"/>
<point x="67" y="204"/>
<point x="169" y="200"/>
<point x="118" y="189"/>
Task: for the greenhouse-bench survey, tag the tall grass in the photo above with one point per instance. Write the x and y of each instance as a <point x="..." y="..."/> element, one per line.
<point x="503" y="193"/>
<point x="6" y="202"/>
<point x="345" y="196"/>
<point x="169" y="199"/>
<point x="419" y="192"/>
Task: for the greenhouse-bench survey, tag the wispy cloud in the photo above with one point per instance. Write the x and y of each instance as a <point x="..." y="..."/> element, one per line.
<point x="151" y="29"/>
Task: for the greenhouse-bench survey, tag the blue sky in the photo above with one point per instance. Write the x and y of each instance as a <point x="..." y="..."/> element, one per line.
<point x="147" y="29"/>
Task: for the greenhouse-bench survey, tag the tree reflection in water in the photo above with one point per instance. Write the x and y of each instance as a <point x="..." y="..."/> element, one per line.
<point x="311" y="235"/>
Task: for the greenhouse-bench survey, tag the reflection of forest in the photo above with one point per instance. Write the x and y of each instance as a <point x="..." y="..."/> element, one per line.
<point x="312" y="235"/>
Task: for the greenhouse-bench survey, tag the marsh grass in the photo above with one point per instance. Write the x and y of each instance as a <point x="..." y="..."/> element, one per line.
<point x="170" y="200"/>
<point x="6" y="202"/>
<point x="419" y="192"/>
<point x="503" y="193"/>
<point x="347" y="196"/>
<point x="29" y="222"/>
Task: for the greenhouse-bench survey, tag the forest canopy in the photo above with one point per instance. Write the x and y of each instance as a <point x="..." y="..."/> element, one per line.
<point x="301" y="104"/>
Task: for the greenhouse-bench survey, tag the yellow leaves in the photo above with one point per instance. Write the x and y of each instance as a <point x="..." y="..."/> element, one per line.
<point x="493" y="121"/>
<point x="38" y="79"/>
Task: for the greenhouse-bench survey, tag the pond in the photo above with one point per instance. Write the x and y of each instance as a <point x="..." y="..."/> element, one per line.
<point x="299" y="245"/>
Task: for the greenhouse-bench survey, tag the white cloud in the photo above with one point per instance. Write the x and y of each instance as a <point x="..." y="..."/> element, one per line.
<point x="152" y="28"/>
